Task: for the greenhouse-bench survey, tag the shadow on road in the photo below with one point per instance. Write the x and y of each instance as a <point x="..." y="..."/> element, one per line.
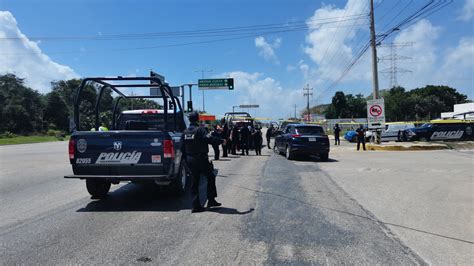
<point x="225" y="210"/>
<point x="132" y="197"/>
<point x="314" y="158"/>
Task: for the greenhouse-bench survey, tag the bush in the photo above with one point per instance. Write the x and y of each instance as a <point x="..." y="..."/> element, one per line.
<point x="60" y="135"/>
<point x="8" y="134"/>
<point x="52" y="132"/>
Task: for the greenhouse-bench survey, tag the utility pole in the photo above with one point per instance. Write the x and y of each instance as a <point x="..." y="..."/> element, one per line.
<point x="202" y="76"/>
<point x="295" y="110"/>
<point x="375" y="77"/>
<point x="307" y="93"/>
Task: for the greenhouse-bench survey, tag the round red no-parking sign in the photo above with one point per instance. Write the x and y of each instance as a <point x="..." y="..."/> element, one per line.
<point x="375" y="110"/>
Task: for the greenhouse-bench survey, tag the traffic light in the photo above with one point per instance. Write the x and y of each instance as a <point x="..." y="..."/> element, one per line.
<point x="190" y="106"/>
<point x="230" y="83"/>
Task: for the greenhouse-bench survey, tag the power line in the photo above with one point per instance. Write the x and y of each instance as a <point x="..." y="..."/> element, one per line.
<point x="179" y="44"/>
<point x="196" y="33"/>
<point x="427" y="9"/>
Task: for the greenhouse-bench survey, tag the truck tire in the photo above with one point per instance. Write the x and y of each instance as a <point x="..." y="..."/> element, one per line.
<point x="97" y="188"/>
<point x="179" y="185"/>
<point x="324" y="156"/>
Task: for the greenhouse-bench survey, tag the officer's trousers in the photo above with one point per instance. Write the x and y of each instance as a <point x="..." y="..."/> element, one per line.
<point x="200" y="165"/>
<point x="359" y="141"/>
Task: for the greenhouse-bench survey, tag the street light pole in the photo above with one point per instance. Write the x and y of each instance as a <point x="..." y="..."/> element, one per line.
<point x="233" y="111"/>
<point x="202" y="76"/>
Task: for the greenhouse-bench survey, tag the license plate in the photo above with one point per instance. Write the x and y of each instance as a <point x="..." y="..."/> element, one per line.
<point x="156" y="158"/>
<point x="312" y="139"/>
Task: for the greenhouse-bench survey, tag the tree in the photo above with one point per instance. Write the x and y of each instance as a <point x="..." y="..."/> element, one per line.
<point x="21" y="108"/>
<point x="356" y="106"/>
<point x="57" y="112"/>
<point x="339" y="103"/>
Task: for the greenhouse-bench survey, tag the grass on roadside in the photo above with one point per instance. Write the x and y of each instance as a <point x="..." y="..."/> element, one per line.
<point x="28" y="139"/>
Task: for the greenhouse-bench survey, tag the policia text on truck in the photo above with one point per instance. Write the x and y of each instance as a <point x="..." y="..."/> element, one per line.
<point x="141" y="145"/>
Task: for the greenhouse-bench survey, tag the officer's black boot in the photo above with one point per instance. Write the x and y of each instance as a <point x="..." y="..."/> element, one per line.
<point x="198" y="209"/>
<point x="213" y="203"/>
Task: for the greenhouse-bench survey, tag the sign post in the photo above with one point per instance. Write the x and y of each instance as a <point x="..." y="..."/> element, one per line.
<point x="216" y="84"/>
<point x="376" y="114"/>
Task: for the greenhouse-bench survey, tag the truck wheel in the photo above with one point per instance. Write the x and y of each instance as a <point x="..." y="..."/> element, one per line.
<point x="179" y="185"/>
<point x="97" y="188"/>
<point x="324" y="156"/>
<point x="289" y="154"/>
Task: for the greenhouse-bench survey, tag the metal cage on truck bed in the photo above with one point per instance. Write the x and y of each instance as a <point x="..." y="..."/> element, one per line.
<point x="133" y="82"/>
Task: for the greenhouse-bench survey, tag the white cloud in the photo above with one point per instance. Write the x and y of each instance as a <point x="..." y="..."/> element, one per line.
<point x="330" y="45"/>
<point x="25" y="59"/>
<point x="274" y="100"/>
<point x="458" y="65"/>
<point x="267" y="50"/>
<point x="467" y="11"/>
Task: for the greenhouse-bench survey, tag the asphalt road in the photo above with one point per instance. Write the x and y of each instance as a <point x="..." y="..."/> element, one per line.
<point x="274" y="212"/>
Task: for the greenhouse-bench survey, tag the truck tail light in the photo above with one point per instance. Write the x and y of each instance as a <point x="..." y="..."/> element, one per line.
<point x="168" y="149"/>
<point x="295" y="135"/>
<point x="72" y="145"/>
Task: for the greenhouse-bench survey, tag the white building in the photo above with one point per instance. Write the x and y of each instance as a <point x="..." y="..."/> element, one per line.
<point x="461" y="111"/>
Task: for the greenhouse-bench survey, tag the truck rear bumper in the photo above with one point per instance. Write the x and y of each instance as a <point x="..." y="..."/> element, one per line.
<point x="124" y="177"/>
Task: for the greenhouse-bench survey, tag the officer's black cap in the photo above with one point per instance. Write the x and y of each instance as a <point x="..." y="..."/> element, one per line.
<point x="193" y="116"/>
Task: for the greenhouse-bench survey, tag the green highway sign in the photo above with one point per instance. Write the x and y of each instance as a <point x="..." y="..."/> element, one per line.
<point x="243" y="106"/>
<point x="216" y="84"/>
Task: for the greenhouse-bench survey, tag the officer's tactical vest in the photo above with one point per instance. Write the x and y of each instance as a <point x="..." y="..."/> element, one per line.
<point x="194" y="141"/>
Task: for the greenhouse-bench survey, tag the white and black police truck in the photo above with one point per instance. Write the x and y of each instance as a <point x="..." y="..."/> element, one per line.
<point x="441" y="130"/>
<point x="140" y="146"/>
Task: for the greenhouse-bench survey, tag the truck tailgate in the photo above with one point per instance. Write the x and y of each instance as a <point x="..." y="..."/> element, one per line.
<point x="121" y="153"/>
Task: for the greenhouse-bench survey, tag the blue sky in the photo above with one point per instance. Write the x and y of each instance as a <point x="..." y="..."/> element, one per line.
<point x="269" y="69"/>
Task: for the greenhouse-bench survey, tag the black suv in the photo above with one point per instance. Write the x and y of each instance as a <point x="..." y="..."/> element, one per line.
<point x="301" y="139"/>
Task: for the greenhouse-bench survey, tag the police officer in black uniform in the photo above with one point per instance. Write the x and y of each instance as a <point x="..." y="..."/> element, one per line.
<point x="195" y="141"/>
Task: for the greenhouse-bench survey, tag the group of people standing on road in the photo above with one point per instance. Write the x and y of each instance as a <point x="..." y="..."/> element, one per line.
<point x="195" y="151"/>
<point x="240" y="137"/>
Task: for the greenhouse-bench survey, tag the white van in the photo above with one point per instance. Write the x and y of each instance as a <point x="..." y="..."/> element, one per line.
<point x="392" y="130"/>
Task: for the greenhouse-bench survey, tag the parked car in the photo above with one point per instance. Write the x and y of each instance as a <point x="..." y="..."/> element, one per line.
<point x="440" y="130"/>
<point x="302" y="139"/>
<point x="351" y="136"/>
<point x="393" y="131"/>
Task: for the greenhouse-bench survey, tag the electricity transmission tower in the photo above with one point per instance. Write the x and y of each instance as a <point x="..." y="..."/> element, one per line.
<point x="394" y="57"/>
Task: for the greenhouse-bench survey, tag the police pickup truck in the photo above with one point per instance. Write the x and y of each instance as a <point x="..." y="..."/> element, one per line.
<point x="141" y="145"/>
<point x="441" y="130"/>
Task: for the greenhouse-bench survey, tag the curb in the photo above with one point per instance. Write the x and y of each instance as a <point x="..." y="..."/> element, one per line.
<point x="375" y="147"/>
